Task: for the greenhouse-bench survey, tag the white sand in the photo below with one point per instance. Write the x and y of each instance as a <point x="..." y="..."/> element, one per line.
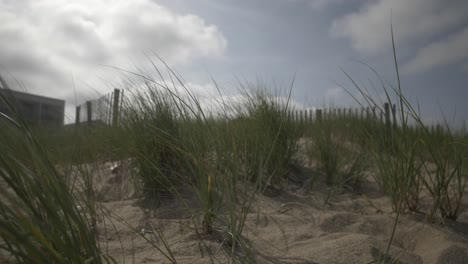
<point x="292" y="227"/>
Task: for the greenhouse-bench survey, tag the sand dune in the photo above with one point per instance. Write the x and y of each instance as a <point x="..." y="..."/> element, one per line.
<point x="293" y="226"/>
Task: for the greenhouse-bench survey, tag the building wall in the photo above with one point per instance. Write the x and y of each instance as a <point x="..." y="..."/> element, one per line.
<point x="37" y="110"/>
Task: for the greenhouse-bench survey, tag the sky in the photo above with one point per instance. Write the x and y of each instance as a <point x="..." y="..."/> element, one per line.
<point x="63" y="49"/>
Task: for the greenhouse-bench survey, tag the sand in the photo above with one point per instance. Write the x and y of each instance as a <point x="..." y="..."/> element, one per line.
<point x="291" y="225"/>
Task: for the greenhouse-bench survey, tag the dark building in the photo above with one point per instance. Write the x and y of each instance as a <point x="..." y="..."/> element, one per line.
<point x="37" y="110"/>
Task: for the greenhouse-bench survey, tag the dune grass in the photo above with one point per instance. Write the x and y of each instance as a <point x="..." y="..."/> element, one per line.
<point x="403" y="152"/>
<point x="339" y="157"/>
<point x="214" y="164"/>
<point x="40" y="217"/>
<point x="223" y="159"/>
<point x="175" y="146"/>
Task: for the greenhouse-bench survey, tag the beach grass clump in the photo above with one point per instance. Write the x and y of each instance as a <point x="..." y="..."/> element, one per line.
<point x="439" y="168"/>
<point x="446" y="173"/>
<point x="223" y="158"/>
<point x="399" y="176"/>
<point x="325" y="150"/>
<point x="40" y="217"/>
<point x="410" y="156"/>
<point x="266" y="139"/>
<point x="152" y="125"/>
<point x="341" y="161"/>
<point x="179" y="149"/>
<point x="396" y="158"/>
<point x="397" y="168"/>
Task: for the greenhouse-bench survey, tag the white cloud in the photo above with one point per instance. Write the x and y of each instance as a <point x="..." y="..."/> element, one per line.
<point x="43" y="42"/>
<point x="444" y="52"/>
<point x="369" y="27"/>
<point x="320" y="4"/>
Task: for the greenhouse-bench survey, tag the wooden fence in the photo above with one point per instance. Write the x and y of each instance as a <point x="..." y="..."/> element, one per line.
<point x="310" y="115"/>
<point x="106" y="109"/>
<point x="386" y="115"/>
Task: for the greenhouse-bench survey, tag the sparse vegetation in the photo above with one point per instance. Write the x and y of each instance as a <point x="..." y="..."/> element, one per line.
<point x="342" y="162"/>
<point x="214" y="166"/>
<point x="40" y="217"/>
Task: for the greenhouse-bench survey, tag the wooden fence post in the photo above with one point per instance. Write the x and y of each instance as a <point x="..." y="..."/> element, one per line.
<point x="121" y="102"/>
<point x="388" y="122"/>
<point x="387" y="114"/>
<point x="89" y="111"/>
<point x="318" y="116"/>
<point x="115" y="107"/>
<point x="109" y="99"/>
<point x="77" y="115"/>
<point x="395" y="124"/>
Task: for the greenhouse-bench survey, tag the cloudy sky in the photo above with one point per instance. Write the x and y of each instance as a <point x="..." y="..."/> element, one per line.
<point x="52" y="46"/>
